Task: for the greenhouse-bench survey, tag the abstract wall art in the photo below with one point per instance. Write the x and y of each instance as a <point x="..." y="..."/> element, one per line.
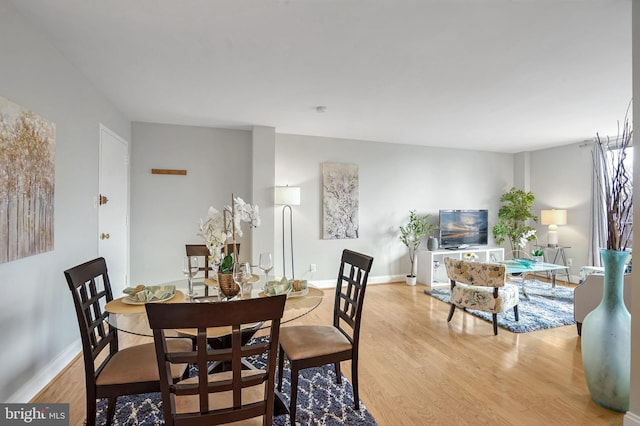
<point x="340" y="201"/>
<point x="27" y="182"/>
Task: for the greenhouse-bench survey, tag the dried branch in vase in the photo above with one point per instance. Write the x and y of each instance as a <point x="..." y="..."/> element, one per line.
<point x="614" y="171"/>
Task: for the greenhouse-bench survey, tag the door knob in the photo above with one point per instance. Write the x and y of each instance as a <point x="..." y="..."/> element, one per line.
<point x="104" y="236"/>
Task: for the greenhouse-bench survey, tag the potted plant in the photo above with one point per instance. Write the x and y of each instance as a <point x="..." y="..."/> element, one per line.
<point x="538" y="255"/>
<point x="411" y="236"/>
<point x="512" y="219"/>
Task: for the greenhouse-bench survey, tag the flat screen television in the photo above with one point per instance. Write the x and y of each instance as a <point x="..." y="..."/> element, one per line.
<point x="463" y="227"/>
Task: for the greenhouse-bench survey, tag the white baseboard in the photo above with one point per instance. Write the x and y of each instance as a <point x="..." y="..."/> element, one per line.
<point x="631" y="419"/>
<point x="45" y="374"/>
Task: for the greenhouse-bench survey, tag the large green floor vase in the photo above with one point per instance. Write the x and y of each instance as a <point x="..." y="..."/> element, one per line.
<point x="606" y="339"/>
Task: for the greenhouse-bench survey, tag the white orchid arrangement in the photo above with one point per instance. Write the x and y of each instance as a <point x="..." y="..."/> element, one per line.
<point x="213" y="232"/>
<point x="218" y="226"/>
<point x="244" y="212"/>
<point x="526" y="237"/>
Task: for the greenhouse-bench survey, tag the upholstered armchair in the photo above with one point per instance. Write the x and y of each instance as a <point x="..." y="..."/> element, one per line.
<point x="588" y="295"/>
<point x="480" y="286"/>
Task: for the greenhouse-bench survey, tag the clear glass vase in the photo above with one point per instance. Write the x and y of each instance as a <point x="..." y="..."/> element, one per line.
<point x="606" y="339"/>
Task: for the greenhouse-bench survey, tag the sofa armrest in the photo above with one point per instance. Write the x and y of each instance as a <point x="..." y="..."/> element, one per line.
<point x="588" y="295"/>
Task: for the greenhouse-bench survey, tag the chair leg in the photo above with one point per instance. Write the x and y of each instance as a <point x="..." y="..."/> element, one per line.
<point x="91" y="410"/>
<point x="336" y="366"/>
<point x="294" y="392"/>
<point x="354" y="384"/>
<point x="515" y="312"/>
<point x="451" y="310"/>
<point x="280" y="368"/>
<point x="111" y="409"/>
<point x="495" y="324"/>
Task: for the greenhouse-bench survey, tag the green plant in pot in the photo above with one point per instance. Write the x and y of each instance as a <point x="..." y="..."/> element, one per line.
<point x="226" y="266"/>
<point x="538" y="255"/>
<point x="512" y="219"/>
<point x="411" y="236"/>
<point x="606" y="331"/>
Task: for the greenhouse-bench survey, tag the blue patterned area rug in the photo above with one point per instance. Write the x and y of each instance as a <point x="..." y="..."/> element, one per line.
<point x="547" y="308"/>
<point x="321" y="401"/>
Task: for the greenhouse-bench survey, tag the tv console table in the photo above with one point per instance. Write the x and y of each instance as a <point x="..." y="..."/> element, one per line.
<point x="431" y="270"/>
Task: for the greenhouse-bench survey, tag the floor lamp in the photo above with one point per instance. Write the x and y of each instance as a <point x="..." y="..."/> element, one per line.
<point x="287" y="196"/>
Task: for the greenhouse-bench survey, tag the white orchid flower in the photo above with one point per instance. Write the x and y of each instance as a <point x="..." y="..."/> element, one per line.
<point x="255" y="217"/>
<point x="524" y="238"/>
<point x="215" y="233"/>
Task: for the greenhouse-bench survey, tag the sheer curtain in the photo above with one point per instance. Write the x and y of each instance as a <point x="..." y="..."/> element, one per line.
<point x="598" y="231"/>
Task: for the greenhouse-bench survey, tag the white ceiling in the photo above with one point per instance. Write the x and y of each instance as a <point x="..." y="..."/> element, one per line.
<point x="498" y="75"/>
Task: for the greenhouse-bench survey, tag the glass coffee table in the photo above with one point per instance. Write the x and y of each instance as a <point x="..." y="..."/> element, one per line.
<point x="523" y="267"/>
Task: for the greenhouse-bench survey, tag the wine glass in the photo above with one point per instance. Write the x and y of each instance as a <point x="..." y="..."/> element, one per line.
<point x="266" y="264"/>
<point x="241" y="275"/>
<point x="190" y="269"/>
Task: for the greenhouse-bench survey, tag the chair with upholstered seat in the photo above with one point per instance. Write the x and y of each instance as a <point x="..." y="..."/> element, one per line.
<point x="201" y="250"/>
<point x="230" y="396"/>
<point x="482" y="287"/>
<point x="315" y="345"/>
<point x="110" y="372"/>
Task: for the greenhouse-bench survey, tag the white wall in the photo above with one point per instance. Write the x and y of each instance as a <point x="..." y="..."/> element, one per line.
<point x="633" y="415"/>
<point x="393" y="180"/>
<point x="37" y="319"/>
<point x="561" y="179"/>
<point x="263" y="181"/>
<point x="166" y="209"/>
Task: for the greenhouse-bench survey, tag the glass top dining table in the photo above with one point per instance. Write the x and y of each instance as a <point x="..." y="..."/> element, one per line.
<point x="132" y="318"/>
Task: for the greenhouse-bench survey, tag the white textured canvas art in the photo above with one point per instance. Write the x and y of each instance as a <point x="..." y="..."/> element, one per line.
<point x="340" y="201"/>
<point x="27" y="182"/>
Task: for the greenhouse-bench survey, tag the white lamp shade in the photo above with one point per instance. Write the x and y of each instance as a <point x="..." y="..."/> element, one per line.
<point x="287" y="195"/>
<point x="553" y="217"/>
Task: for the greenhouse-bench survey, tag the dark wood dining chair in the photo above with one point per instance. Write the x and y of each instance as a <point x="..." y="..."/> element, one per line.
<point x="110" y="372"/>
<point x="201" y="250"/>
<point x="230" y="396"/>
<point x="314" y="345"/>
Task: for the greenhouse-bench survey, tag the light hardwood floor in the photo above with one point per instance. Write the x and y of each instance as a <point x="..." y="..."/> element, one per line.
<point x="415" y="369"/>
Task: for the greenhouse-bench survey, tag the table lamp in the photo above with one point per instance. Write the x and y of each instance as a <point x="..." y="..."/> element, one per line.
<point x="287" y="196"/>
<point x="553" y="218"/>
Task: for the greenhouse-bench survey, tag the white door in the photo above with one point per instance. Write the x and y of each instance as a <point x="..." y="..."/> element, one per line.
<point x="113" y="208"/>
